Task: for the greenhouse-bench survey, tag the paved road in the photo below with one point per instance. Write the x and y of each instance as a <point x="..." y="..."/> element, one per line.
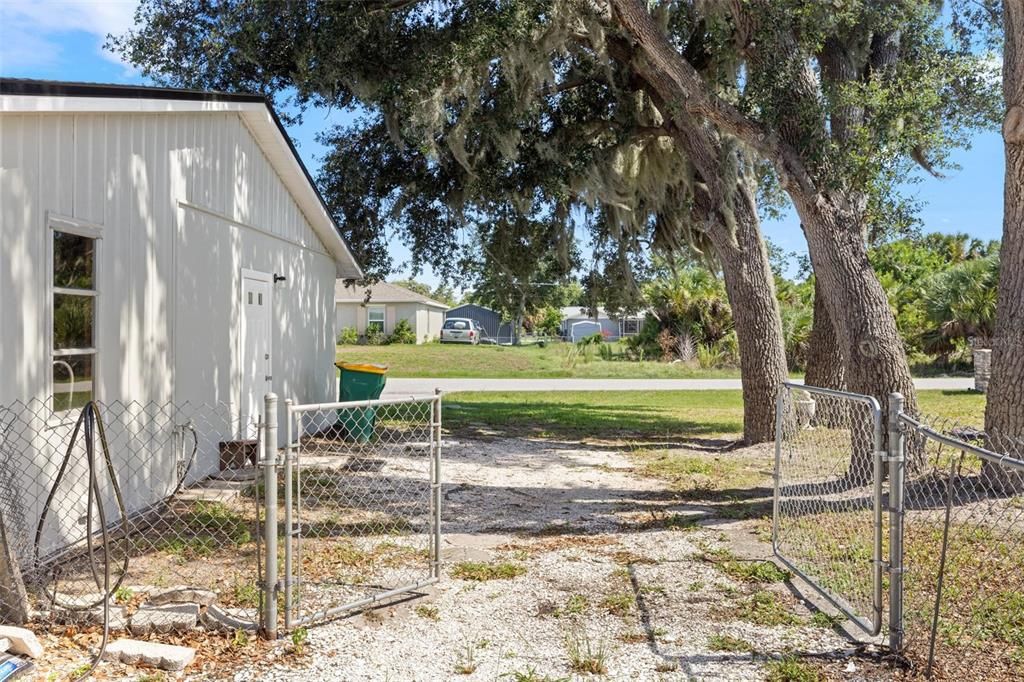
<point x="400" y="387"/>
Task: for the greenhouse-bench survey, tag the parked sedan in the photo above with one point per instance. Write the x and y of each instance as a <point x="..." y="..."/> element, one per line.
<point x="461" y="330"/>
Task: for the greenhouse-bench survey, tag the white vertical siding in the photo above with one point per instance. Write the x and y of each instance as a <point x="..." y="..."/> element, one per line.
<point x="170" y="191"/>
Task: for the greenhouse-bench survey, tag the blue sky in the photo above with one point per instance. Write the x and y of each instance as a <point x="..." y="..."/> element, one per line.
<point x="63" y="40"/>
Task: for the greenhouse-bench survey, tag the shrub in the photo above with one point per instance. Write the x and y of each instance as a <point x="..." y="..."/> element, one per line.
<point x="349" y="336"/>
<point x="548" y="322"/>
<point x="402" y="333"/>
<point x="375" y="336"/>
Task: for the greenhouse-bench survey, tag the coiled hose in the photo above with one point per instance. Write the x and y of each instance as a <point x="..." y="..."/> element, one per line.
<point x="90" y="424"/>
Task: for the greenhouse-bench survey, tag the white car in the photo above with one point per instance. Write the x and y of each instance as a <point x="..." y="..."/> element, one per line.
<point x="461" y="330"/>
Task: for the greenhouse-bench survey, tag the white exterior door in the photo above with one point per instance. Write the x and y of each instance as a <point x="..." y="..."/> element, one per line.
<point x="255" y="342"/>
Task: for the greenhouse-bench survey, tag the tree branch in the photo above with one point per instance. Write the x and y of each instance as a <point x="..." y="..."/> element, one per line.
<point x="684" y="91"/>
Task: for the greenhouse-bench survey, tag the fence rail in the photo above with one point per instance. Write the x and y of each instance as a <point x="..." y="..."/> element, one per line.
<point x="953" y="535"/>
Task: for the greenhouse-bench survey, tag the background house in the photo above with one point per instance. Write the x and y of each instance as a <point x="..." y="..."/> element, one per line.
<point x="491" y="321"/>
<point x="577" y="324"/>
<point x="385" y="306"/>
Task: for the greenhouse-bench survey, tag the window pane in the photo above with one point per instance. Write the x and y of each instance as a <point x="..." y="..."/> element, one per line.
<point x="72" y="381"/>
<point x="73" y="261"/>
<point x="72" y="321"/>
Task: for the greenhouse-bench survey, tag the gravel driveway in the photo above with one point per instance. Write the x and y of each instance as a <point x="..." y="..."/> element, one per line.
<point x="600" y="569"/>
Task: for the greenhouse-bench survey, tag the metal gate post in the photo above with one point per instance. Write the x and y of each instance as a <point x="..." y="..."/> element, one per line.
<point x="289" y="530"/>
<point x="435" y="484"/>
<point x="896" y="509"/>
<point x="270" y="511"/>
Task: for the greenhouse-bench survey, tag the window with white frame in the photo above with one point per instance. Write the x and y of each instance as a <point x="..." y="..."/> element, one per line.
<point x="375" y="318"/>
<point x="630" y="326"/>
<point x="74" y="294"/>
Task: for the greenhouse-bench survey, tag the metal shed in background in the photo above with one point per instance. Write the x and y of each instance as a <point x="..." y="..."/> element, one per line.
<point x="490" y="320"/>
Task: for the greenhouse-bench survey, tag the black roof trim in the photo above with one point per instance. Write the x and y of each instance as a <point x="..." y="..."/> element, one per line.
<point x="45" y="88"/>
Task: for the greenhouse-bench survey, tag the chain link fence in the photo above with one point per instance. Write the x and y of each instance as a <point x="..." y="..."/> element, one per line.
<point x="828" y="497"/>
<point x="158" y="494"/>
<point x="962" y="551"/>
<point x="361" y="504"/>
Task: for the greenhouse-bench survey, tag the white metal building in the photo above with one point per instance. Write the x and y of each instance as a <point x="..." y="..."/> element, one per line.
<point x="160" y="245"/>
<point x="383" y="305"/>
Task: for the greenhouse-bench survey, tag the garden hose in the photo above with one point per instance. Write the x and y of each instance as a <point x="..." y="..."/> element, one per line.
<point x="90" y="424"/>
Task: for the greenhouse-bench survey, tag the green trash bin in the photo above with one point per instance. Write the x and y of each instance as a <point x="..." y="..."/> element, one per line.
<point x="359" y="381"/>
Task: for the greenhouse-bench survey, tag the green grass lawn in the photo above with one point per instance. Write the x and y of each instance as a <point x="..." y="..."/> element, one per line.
<point x="555" y="360"/>
<point x="660" y="414"/>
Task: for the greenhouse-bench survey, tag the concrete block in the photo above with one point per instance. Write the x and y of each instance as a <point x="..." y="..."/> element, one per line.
<point x="170" y="618"/>
<point x="22" y="641"/>
<point x="223" y="618"/>
<point x="182" y="594"/>
<point x="162" y="656"/>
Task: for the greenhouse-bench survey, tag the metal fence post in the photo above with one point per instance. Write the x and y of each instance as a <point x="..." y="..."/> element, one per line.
<point x="289" y="530"/>
<point x="780" y="406"/>
<point x="896" y="509"/>
<point x="435" y="484"/>
<point x="270" y="511"/>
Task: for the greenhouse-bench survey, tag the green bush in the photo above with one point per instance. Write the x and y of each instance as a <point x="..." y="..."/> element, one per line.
<point x="375" y="336"/>
<point x="349" y="336"/>
<point x="402" y="333"/>
<point x="548" y="322"/>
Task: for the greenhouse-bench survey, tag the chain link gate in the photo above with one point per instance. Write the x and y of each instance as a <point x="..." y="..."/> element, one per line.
<point x="361" y="498"/>
<point x="827" y="522"/>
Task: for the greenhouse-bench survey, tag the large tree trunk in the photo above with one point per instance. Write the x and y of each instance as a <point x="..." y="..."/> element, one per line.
<point x="1004" y="414"/>
<point x="824" y="358"/>
<point x="869" y="341"/>
<point x="750" y="286"/>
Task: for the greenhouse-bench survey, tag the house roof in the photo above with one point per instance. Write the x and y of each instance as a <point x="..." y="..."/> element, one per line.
<point x="35" y="96"/>
<point x="381" y="292"/>
<point x="576" y="312"/>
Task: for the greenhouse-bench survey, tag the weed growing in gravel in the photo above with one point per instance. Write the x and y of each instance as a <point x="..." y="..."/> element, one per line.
<point x="823" y="620"/>
<point x="660" y="521"/>
<point x="633" y="637"/>
<point x="666" y="666"/>
<point x="625" y="558"/>
<point x="428" y="611"/>
<point x="790" y="669"/>
<point x="575" y="605"/>
<point x="479" y="571"/>
<point x="729" y="643"/>
<point x="466" y="663"/>
<point x="531" y="675"/>
<point x="618" y="604"/>
<point x="584" y="656"/>
<point x="749" y="571"/>
<point x="299" y="637"/>
<point x="696" y="586"/>
<point x="765" y="608"/>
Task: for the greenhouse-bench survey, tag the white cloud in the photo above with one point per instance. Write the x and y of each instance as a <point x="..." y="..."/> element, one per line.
<point x="30" y="30"/>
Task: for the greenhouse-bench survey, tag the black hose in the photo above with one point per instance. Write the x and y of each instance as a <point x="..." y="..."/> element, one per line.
<point x="91" y="423"/>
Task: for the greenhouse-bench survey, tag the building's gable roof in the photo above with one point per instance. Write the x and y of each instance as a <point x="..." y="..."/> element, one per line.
<point x="381" y="292"/>
<point x="35" y="96"/>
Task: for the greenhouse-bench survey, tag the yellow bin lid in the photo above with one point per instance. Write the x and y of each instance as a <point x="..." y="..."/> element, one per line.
<point x="367" y="367"/>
